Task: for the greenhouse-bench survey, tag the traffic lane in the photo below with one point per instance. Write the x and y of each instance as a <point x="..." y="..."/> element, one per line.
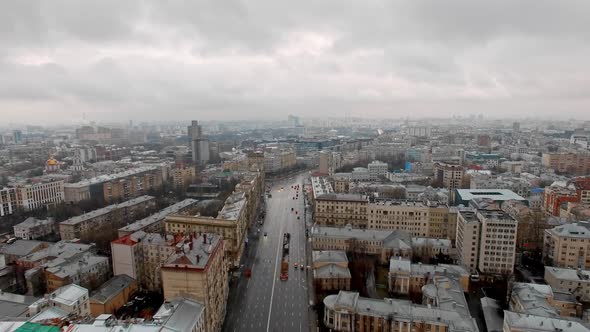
<point x="254" y="301"/>
<point x="291" y="310"/>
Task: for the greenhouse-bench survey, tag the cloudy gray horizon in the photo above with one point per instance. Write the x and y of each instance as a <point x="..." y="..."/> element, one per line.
<point x="228" y="60"/>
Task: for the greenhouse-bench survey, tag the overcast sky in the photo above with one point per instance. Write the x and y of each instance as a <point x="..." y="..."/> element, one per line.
<point x="223" y="59"/>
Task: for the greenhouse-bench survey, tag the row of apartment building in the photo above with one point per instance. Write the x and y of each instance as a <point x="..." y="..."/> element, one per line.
<point x="420" y="219"/>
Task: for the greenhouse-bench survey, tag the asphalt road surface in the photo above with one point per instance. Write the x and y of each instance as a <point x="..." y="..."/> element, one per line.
<point x="264" y="302"/>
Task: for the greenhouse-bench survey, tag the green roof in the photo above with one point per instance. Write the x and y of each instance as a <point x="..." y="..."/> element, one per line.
<point x="34" y="327"/>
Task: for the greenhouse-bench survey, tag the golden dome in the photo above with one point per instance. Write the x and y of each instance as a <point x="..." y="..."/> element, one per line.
<point x="52" y="162"/>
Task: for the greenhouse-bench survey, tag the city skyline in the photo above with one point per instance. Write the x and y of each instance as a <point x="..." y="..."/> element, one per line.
<point x="229" y="61"/>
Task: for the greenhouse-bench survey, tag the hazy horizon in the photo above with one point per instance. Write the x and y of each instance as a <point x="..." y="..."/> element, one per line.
<point x="61" y="61"/>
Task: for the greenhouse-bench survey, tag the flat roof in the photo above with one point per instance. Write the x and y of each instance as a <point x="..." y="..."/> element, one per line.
<point x="495" y="194"/>
<point x="158" y="216"/>
<point x="112" y="287"/>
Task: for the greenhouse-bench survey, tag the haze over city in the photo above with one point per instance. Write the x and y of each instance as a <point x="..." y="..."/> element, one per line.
<point x="227" y="60"/>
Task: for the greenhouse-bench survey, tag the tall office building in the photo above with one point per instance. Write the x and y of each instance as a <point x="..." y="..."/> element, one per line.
<point x="199" y="144"/>
<point x="17" y="137"/>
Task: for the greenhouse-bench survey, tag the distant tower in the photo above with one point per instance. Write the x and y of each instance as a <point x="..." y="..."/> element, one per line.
<point x="77" y="165"/>
<point x="17" y="136"/>
<point x="199" y="144"/>
<point x="516" y="128"/>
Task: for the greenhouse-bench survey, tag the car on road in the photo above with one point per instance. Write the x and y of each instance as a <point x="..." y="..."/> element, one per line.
<point x="302" y="266"/>
<point x="295" y="264"/>
<point x="292" y="209"/>
<point x="297" y="217"/>
<point x="264" y="234"/>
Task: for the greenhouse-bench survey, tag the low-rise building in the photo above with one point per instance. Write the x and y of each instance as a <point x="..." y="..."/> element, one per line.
<point x="383" y="244"/>
<point x="444" y="308"/>
<point x="176" y="315"/>
<point x="33" y="228"/>
<point x="541" y="300"/>
<point x="112" y="295"/>
<point x="199" y="272"/>
<point x="406" y="278"/>
<point x="155" y="222"/>
<point x="71" y="299"/>
<point x="103" y="223"/>
<point x="89" y="271"/>
<point x="567" y="246"/>
<point x="576" y="281"/>
<point x="330" y="270"/>
<point x="521" y="322"/>
<point x="21" y="248"/>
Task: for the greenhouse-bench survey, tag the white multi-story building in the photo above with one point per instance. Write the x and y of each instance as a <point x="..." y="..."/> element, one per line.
<point x="498" y="242"/>
<point x="486" y="241"/>
<point x="69" y="300"/>
<point x="360" y="174"/>
<point x="38" y="195"/>
<point x="377" y="169"/>
<point x="8" y="201"/>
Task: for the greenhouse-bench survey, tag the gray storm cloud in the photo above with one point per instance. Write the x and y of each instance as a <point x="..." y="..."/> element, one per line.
<point x="254" y="59"/>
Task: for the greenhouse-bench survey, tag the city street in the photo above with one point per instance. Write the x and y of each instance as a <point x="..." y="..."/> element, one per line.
<point x="264" y="302"/>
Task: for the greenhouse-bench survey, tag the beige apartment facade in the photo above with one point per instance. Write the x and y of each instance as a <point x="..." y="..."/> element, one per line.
<point x="414" y="217"/>
<point x="340" y="210"/>
<point x="575" y="163"/>
<point x="105" y="221"/>
<point x="498" y="242"/>
<point x="449" y="175"/>
<point x="467" y="242"/>
<point x="568" y="246"/>
<point x="199" y="272"/>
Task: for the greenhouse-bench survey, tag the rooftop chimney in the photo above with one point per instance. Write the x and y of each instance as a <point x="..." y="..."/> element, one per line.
<point x="198" y="258"/>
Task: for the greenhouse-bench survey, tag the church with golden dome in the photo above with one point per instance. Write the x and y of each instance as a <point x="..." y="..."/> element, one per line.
<point x="52" y="165"/>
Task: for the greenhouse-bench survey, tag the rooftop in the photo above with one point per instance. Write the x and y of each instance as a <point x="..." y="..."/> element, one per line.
<point x="68" y="267"/>
<point x="528" y="322"/>
<point x="107" y="209"/>
<point x="22" y="247"/>
<point x="196" y="252"/>
<point x="343" y="197"/>
<point x="63" y="249"/>
<point x="402" y="309"/>
<point x="68" y="294"/>
<point x="329" y="256"/>
<point x="577" y="229"/>
<point x="390" y="238"/>
<point x="33" y="222"/>
<point x="158" y="216"/>
<point x="495" y="194"/>
<point x="332" y="271"/>
<point x="111" y="288"/>
<point x="568" y="274"/>
<point x="110" y="177"/>
<point x="233" y="206"/>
